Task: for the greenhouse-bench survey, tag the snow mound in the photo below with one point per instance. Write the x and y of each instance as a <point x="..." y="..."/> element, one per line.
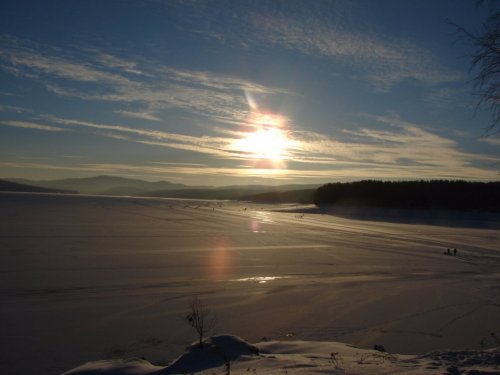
<point x="215" y="352"/>
<point x="231" y="354"/>
<point x="132" y="366"/>
<point x="465" y="358"/>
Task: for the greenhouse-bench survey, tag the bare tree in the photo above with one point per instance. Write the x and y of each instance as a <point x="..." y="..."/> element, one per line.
<point x="200" y="318"/>
<point x="485" y="61"/>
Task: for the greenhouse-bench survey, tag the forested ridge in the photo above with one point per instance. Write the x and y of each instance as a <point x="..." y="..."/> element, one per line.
<point x="459" y="195"/>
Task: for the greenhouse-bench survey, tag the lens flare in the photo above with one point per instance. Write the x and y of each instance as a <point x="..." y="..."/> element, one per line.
<point x="220" y="261"/>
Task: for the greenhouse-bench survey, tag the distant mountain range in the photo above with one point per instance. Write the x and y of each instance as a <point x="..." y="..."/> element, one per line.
<point x="111" y="185"/>
<point x="103" y="185"/>
<point x="27" y="188"/>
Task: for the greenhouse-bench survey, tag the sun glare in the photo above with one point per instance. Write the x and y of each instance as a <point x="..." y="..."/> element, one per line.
<point x="268" y="142"/>
<point x="264" y="144"/>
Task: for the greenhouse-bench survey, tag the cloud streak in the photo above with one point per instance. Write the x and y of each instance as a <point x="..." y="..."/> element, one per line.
<point x="379" y="60"/>
<point x="96" y="76"/>
<point x="15" y="109"/>
<point x="192" y="174"/>
<point x="382" y="63"/>
<point x="492" y="140"/>
<point x="138" y="115"/>
<point x="399" y="150"/>
<point x="214" y="146"/>
<point x="31" y="125"/>
<point x="408" y="149"/>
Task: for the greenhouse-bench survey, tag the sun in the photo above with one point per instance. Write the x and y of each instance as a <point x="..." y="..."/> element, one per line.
<point x="267" y="142"/>
<point x="264" y="144"/>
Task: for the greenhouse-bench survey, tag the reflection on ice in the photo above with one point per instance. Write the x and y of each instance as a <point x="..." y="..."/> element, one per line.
<point x="262" y="279"/>
<point x="260" y="217"/>
<point x="263" y="217"/>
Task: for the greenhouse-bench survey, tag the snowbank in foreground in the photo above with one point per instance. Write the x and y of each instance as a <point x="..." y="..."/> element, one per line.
<point x="231" y="354"/>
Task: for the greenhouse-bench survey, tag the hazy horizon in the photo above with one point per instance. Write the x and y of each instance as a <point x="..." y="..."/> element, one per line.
<point x="262" y="183"/>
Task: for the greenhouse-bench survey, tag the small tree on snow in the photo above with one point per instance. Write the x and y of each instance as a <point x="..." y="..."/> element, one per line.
<point x="200" y="318"/>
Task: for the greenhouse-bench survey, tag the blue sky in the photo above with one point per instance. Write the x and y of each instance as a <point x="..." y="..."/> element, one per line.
<point x="237" y="92"/>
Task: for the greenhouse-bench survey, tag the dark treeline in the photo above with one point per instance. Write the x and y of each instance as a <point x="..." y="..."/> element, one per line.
<point x="456" y="195"/>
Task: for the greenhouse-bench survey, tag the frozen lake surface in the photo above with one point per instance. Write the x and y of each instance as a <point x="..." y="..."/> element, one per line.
<point x="88" y="278"/>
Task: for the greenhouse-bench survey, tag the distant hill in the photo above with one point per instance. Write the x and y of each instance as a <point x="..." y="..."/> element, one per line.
<point x="436" y="194"/>
<point x="111" y="185"/>
<point x="106" y="185"/>
<point x="17" y="187"/>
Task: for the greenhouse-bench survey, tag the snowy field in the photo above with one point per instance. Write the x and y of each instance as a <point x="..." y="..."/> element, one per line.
<point x="92" y="278"/>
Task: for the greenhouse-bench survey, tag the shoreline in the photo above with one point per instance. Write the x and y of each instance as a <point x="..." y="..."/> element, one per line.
<point x="436" y="217"/>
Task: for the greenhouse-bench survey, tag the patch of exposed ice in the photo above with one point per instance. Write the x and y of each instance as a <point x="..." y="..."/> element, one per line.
<point x="261" y="279"/>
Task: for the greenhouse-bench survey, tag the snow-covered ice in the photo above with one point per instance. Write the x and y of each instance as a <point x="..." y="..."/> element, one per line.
<point x="98" y="278"/>
<point x="232" y="355"/>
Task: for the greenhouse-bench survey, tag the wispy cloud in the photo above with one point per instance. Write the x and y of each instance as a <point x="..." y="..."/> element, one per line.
<point x="94" y="75"/>
<point x="378" y="59"/>
<point x="446" y="97"/>
<point x="381" y="61"/>
<point x="396" y="149"/>
<point x="402" y="149"/>
<point x="11" y="108"/>
<point x="140" y="115"/>
<point x="192" y="174"/>
<point x="492" y="140"/>
<point x="179" y="164"/>
<point x="109" y="61"/>
<point x="214" y="146"/>
<point x="31" y="125"/>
